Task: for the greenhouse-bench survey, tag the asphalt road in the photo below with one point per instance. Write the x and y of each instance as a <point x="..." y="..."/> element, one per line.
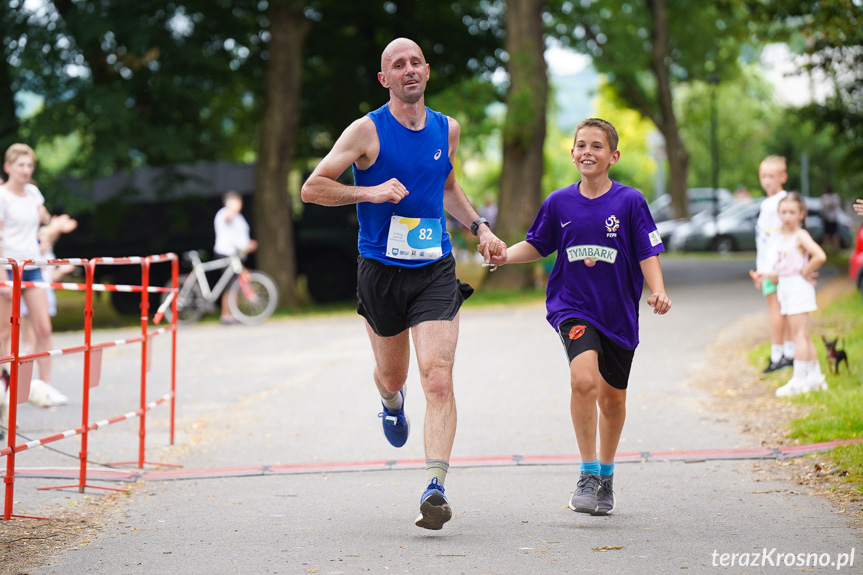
<point x="300" y="391"/>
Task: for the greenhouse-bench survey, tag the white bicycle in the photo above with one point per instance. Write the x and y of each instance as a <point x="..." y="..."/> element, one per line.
<point x="252" y="295"/>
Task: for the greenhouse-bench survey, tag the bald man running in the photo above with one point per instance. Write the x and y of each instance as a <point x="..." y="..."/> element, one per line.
<point x="402" y="156"/>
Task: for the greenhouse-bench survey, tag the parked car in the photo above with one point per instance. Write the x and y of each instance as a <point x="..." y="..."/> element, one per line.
<point x="700" y="200"/>
<point x="733" y="229"/>
<point x="855" y="266"/>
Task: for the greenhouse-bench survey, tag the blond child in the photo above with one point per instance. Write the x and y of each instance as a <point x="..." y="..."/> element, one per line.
<point x="772" y="174"/>
<point x="22" y="212"/>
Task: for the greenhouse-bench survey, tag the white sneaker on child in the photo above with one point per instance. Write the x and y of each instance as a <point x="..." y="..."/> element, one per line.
<point x="795" y="386"/>
<point x="45" y="395"/>
<point x="816" y="382"/>
<point x="56" y="396"/>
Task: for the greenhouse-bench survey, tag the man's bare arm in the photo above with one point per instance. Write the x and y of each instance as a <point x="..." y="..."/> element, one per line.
<point x="357" y="144"/>
<point x="455" y="202"/>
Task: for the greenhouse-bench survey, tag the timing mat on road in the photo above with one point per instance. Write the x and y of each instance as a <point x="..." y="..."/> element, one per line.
<point x="685" y="456"/>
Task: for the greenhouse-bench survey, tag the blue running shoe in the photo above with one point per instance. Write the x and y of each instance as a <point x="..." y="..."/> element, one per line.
<point x="434" y="507"/>
<point x="396" y="424"/>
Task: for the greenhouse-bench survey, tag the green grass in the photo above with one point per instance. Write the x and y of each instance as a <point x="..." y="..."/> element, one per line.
<point x="836" y="413"/>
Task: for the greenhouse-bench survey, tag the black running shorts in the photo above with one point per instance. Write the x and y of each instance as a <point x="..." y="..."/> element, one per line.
<point x="615" y="362"/>
<point x="394" y="298"/>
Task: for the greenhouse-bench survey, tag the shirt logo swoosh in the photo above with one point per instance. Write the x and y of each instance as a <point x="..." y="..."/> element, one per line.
<point x="437" y="155"/>
<point x="563" y="225"/>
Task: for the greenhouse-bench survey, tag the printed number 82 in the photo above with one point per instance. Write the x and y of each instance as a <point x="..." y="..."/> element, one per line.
<point x="425" y="233"/>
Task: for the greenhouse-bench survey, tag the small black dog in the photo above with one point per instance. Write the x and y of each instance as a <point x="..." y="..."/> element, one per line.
<point x="835" y="356"/>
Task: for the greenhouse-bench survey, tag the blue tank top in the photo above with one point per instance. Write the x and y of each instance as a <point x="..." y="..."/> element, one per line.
<point x="420" y="161"/>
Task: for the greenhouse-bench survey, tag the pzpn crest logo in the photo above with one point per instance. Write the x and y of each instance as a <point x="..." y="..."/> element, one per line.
<point x="612" y="224"/>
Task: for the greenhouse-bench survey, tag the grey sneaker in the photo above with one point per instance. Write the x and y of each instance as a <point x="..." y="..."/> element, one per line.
<point x="605" y="496"/>
<point x="584" y="499"/>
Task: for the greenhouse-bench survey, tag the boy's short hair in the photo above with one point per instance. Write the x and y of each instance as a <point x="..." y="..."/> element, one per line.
<point x="230" y="194"/>
<point x="777" y="162"/>
<point x="605" y="126"/>
<point x="15" y="151"/>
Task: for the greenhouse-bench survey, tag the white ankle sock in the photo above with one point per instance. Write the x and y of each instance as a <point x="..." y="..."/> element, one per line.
<point x="394" y="403"/>
<point x="800" y="369"/>
<point x="775" y="352"/>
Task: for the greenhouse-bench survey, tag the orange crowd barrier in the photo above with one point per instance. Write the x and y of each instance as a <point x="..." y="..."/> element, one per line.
<point x="21" y="366"/>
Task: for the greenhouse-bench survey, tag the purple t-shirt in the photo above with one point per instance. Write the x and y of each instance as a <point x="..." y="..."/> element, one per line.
<point x="616" y="231"/>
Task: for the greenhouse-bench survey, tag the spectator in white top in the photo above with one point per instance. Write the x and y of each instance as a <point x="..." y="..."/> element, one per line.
<point x="232" y="237"/>
<point x="22" y="212"/>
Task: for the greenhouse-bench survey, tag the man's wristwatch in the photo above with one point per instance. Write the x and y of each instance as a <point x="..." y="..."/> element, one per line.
<point x="474" y="227"/>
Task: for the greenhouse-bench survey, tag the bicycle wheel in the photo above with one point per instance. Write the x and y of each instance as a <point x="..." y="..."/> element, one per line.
<point x="190" y="301"/>
<point x="252" y="299"/>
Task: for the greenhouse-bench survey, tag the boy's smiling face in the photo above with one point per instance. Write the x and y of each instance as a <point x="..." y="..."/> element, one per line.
<point x="592" y="154"/>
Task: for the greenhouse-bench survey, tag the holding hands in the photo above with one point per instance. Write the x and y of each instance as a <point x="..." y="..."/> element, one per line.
<point x="493" y="250"/>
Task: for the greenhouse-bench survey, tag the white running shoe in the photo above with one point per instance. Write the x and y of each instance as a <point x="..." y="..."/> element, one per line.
<point x="57" y="398"/>
<point x="794" y="386"/>
<point x="45" y="395"/>
<point x="816" y="382"/>
<point x="40" y="395"/>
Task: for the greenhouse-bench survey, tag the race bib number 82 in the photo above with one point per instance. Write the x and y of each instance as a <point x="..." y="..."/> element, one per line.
<point x="414" y="238"/>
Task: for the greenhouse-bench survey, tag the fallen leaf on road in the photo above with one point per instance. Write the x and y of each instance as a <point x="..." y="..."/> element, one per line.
<point x="608" y="548"/>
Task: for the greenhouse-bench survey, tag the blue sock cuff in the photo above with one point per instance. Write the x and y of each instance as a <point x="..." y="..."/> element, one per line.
<point x="606" y="469"/>
<point x="590" y="467"/>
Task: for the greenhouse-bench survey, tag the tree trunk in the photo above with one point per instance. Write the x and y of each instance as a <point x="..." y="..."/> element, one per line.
<point x="524" y="135"/>
<point x="274" y="224"/>
<point x="678" y="157"/>
<point x="8" y="120"/>
<point x="678" y="168"/>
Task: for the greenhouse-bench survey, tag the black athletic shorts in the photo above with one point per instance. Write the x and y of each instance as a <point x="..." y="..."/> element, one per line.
<point x="394" y="298"/>
<point x="615" y="363"/>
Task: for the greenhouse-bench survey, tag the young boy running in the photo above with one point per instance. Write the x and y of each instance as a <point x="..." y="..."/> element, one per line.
<point x="607" y="246"/>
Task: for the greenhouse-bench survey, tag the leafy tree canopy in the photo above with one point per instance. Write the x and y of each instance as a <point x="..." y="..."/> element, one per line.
<point x="829" y="36"/>
<point x="155" y="83"/>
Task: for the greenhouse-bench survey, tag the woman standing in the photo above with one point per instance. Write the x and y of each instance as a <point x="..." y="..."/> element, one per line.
<point x="22" y="212"/>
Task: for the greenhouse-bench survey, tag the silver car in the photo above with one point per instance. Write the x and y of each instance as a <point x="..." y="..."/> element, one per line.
<point x="700" y="200"/>
<point x="733" y="229"/>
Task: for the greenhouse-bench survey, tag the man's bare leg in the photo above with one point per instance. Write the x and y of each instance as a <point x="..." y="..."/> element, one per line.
<point x="392" y="359"/>
<point x="435" y="344"/>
